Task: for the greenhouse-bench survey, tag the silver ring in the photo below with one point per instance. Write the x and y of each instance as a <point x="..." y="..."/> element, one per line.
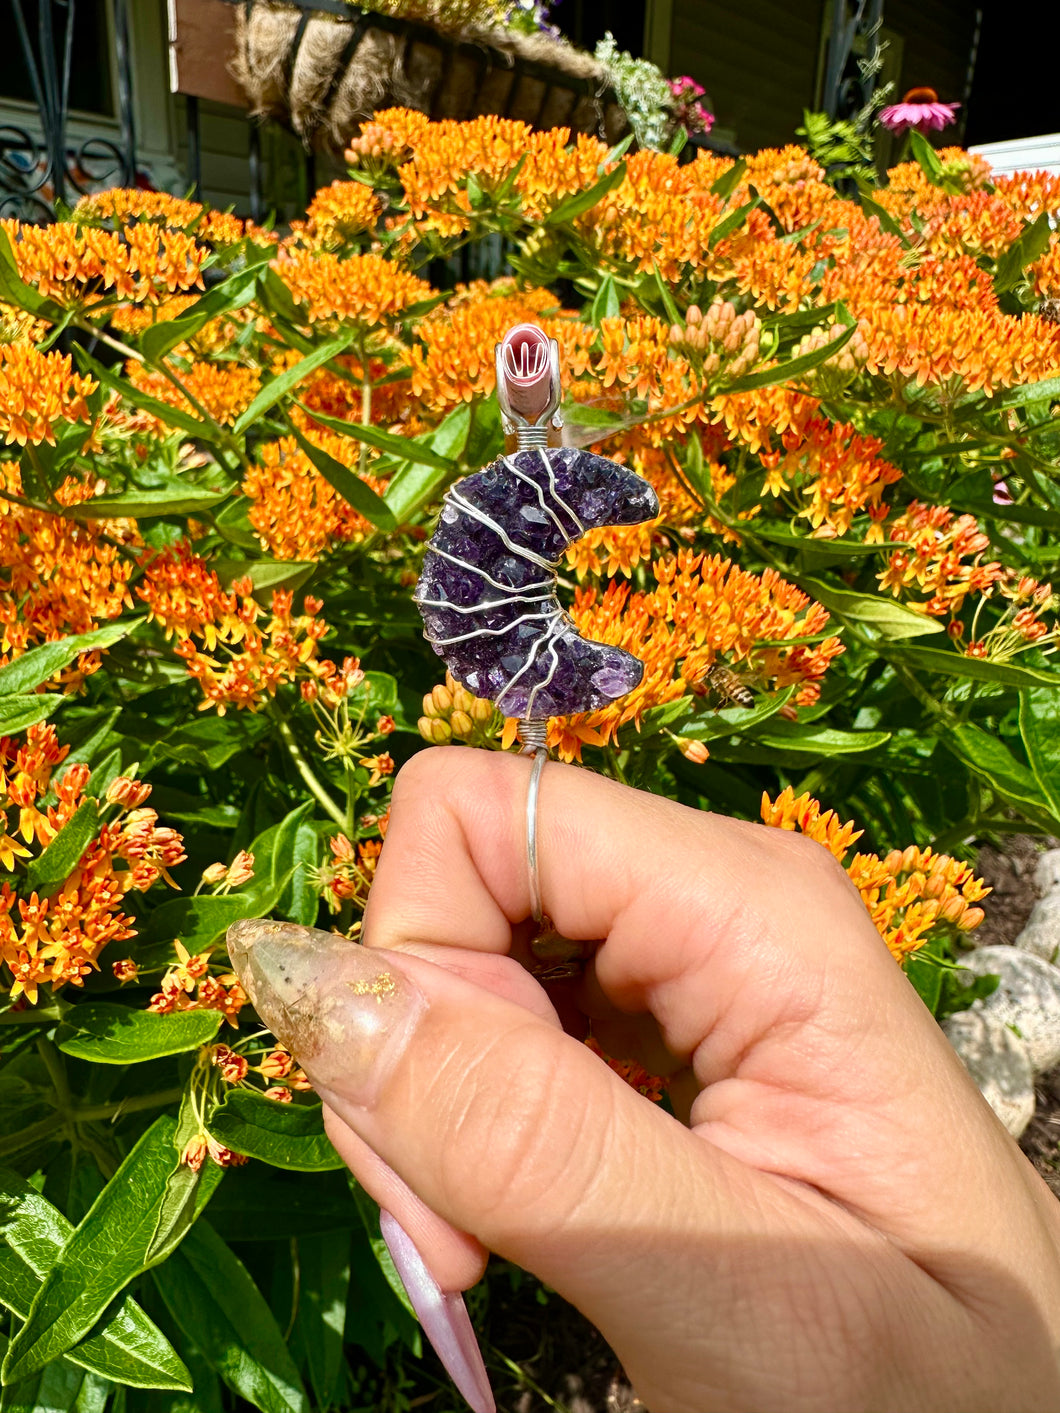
<point x="540" y="756"/>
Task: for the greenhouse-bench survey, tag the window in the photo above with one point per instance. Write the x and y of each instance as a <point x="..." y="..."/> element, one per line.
<point x="91" y="84"/>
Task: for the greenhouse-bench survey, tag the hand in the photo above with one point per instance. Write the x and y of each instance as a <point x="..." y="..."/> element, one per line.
<point x="839" y="1224"/>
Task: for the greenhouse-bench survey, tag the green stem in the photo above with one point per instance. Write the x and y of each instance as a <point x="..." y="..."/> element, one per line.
<point x="366" y="405"/>
<point x="53" y="1063"/>
<point x="92" y="1113"/>
<point x="294" y="750"/>
<point x="108" y="339"/>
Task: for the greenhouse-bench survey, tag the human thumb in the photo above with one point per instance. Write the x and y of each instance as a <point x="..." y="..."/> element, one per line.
<point x="504" y="1126"/>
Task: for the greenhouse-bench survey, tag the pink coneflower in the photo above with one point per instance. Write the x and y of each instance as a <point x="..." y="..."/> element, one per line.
<point x="920" y="109"/>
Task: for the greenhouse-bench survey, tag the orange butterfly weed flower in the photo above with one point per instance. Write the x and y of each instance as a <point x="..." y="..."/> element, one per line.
<point x="57" y="576"/>
<point x="37" y="390"/>
<point x="703" y="608"/>
<point x="296" y="513"/>
<point x="835" y="471"/>
<point x="337" y="214"/>
<point x="225" y="390"/>
<point x="356" y="289"/>
<point x="907" y="895"/>
<point x="942" y="557"/>
<point x="57" y="940"/>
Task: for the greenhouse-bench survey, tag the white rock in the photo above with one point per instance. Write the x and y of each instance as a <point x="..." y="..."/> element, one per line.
<point x="998" y="1062"/>
<point x="1047" y="874"/>
<point x="1041" y="936"/>
<point x="1027" y="998"/>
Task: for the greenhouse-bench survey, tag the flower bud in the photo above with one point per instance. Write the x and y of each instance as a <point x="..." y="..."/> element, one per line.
<point x="127" y="793"/>
<point x="461" y="724"/>
<point x="434" y="730"/>
<point x="443" y="700"/>
<point x="462" y="700"/>
<point x="481" y="711"/>
<point x="215" y="873"/>
<point x="241" y="869"/>
<point x="125" y="970"/>
<point x="384" y="726"/>
<point x="277" y="1092"/>
<point x="695" y="751"/>
<point x="972" y="918"/>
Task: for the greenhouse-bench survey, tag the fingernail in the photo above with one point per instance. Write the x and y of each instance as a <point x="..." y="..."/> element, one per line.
<point x="347" y="1012"/>
<point x="443" y="1316"/>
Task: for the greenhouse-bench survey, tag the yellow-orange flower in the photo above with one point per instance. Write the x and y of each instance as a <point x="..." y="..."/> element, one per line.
<point x="908" y="894"/>
<point x="36" y="391"/>
<point x="56" y="940"/>
<point x="358" y="289"/>
<point x="223" y="389"/>
<point x="295" y="511"/>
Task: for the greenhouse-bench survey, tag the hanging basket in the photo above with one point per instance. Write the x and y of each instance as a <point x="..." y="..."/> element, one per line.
<point x="323" y="66"/>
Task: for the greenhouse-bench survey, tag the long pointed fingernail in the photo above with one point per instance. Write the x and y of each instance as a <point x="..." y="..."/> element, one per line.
<point x="443" y="1316"/>
<point x="347" y="1012"/>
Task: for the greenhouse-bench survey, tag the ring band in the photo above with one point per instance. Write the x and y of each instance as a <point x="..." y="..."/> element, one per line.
<point x="540" y="756"/>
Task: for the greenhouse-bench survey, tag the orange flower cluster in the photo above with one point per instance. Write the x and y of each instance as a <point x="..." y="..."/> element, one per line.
<point x="1045" y="272"/>
<point x="37" y="390"/>
<point x="702" y="609"/>
<point x="836" y="473"/>
<point x="908" y="894"/>
<point x="763" y="416"/>
<point x="185" y="596"/>
<point x="295" y="511"/>
<point x="83" y="264"/>
<point x="58" y="577"/>
<point x="125" y="205"/>
<point x="191" y="984"/>
<point x="56" y="939"/>
<point x="358" y="289"/>
<point x="456" y="360"/>
<point x="936" y="545"/>
<point x="337" y="214"/>
<point x="224" y="389"/>
<point x="348" y="875"/>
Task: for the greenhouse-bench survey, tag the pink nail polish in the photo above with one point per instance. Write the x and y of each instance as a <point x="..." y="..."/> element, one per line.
<point x="443" y="1316"/>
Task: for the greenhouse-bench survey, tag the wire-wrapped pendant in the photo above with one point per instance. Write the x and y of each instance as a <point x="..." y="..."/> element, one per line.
<point x="487" y="590"/>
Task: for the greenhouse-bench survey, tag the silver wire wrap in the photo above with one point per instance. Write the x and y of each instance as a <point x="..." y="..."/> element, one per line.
<point x="540" y="756"/>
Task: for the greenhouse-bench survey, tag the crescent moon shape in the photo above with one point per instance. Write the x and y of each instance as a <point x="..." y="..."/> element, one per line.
<point x="488" y="587"/>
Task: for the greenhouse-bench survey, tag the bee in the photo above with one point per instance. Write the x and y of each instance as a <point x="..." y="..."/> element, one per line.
<point x="726" y="687"/>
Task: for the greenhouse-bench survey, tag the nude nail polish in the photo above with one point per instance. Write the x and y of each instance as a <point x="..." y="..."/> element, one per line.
<point x="346" y="1011"/>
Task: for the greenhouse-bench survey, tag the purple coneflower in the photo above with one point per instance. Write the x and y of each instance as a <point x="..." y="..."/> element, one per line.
<point x="920" y="109"/>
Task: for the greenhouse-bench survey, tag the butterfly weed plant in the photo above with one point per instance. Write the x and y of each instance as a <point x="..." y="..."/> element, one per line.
<point x="221" y="453"/>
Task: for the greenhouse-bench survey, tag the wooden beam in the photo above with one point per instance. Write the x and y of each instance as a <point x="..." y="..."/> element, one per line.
<point x="202" y="37"/>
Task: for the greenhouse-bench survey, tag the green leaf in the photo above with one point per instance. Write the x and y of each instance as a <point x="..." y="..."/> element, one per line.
<point x="1046" y="391"/>
<point x="1040" y="729"/>
<point x="413" y="487"/>
<point x="1032" y="241"/>
<point x="817" y="740"/>
<point x="707" y="725"/>
<point x="665" y="295"/>
<point x="730" y="180"/>
<point x="888" y="617"/>
<point x="63" y="854"/>
<point x="349" y="485"/>
<point x="793" y="367"/>
<point x="110" y="1247"/>
<point x="886" y="220"/>
<point x="925" y="154"/>
<point x="287" y="1136"/>
<point x="39" y="664"/>
<point x="16" y="713"/>
<point x="198" y="922"/>
<point x="53" y="1390"/>
<point x="733" y="221"/>
<point x="841" y="548"/>
<point x="120" y="1035"/>
<point x="210" y="1294"/>
<point x="926" y="977"/>
<point x="583" y="201"/>
<point x="261" y="1204"/>
<point x="405" y="448"/>
<point x="988" y="757"/>
<point x="174" y="499"/>
<point x="129" y="392"/>
<point x="282" y="384"/>
<point x="324" y="1262"/>
<point x="954" y="664"/>
<point x="231" y="294"/>
<point x="605" y="305"/>
<point x="129" y="1348"/>
<point x="264" y="573"/>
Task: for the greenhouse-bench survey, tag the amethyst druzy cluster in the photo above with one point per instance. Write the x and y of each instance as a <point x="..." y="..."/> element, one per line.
<point x="487" y="590"/>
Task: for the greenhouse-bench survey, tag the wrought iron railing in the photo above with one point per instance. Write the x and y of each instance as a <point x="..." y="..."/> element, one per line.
<point x="37" y="171"/>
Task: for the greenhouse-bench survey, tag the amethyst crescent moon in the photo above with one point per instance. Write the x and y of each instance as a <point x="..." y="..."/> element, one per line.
<point x="488" y="587"/>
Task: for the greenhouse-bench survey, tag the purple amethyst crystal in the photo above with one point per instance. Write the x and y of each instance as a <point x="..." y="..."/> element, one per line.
<point x="487" y="590"/>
